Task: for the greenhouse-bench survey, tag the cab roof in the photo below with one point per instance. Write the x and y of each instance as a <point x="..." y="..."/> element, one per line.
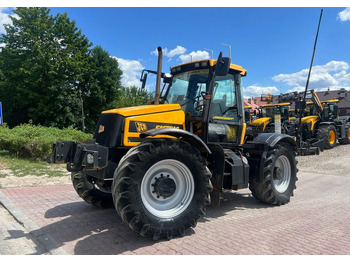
<point x="274" y="105"/>
<point x="202" y="64"/>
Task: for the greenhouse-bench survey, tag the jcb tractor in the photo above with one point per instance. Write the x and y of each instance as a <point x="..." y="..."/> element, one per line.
<point x="160" y="165"/>
<point x="272" y="118"/>
<point x="342" y="127"/>
<point x="320" y="125"/>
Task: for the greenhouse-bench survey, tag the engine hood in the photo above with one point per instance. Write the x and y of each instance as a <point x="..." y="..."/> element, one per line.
<point x="259" y="121"/>
<point x="143" y="110"/>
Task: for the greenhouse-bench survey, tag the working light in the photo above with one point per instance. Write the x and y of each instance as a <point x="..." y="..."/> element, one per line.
<point x="90" y="159"/>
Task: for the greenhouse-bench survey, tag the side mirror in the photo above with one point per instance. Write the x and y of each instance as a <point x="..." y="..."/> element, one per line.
<point x="222" y="65"/>
<point x="167" y="79"/>
<point x="143" y="80"/>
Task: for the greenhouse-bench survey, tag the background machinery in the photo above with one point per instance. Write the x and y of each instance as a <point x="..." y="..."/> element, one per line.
<point x="272" y="118"/>
<point x="160" y="165"/>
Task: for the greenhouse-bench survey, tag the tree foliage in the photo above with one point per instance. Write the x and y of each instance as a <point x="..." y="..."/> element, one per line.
<point x="131" y="96"/>
<point x="49" y="72"/>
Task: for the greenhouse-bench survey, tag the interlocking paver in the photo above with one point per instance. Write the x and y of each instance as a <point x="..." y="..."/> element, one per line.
<point x="316" y="221"/>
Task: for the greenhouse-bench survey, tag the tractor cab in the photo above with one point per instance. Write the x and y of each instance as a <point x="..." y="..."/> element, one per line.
<point x="210" y="99"/>
<point x="269" y="114"/>
<point x="331" y="110"/>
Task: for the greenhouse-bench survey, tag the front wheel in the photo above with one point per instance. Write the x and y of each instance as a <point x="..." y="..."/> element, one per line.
<point x="92" y="192"/>
<point x="277" y="183"/>
<point x="161" y="188"/>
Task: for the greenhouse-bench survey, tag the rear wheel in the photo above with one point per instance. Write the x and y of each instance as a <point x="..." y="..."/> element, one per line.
<point x="346" y="139"/>
<point x="278" y="180"/>
<point x="329" y="135"/>
<point x="161" y="188"/>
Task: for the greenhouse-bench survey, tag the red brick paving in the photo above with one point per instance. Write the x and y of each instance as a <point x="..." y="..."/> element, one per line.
<point x="316" y="221"/>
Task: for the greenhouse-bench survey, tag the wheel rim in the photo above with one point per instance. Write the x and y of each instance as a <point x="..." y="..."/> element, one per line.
<point x="282" y="174"/>
<point x="331" y="137"/>
<point x="167" y="188"/>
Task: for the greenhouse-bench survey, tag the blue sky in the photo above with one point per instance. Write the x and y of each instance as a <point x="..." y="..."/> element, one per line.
<point x="273" y="44"/>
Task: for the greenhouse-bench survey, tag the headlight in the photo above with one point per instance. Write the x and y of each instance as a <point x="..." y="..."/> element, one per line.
<point x="90" y="159"/>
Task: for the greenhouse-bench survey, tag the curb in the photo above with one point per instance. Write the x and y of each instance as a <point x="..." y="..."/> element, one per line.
<point x="48" y="244"/>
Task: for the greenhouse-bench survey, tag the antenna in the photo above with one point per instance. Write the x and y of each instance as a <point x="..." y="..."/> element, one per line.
<point x="212" y="53"/>
<point x="229" y="49"/>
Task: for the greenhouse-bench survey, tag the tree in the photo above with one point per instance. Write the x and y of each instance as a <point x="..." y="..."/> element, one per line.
<point x="131" y="96"/>
<point x="104" y="88"/>
<point x="46" y="68"/>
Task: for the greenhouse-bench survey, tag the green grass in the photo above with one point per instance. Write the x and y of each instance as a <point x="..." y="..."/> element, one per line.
<point x="28" y="166"/>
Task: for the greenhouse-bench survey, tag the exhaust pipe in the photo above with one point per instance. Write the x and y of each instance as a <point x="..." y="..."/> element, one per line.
<point x="159" y="73"/>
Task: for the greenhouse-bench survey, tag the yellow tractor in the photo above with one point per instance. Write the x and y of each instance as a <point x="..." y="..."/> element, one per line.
<point x="272" y="118"/>
<point x="160" y="165"/>
<point x="320" y="125"/>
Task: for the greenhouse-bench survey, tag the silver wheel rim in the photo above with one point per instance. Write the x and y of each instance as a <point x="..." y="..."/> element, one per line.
<point x="282" y="174"/>
<point x="176" y="202"/>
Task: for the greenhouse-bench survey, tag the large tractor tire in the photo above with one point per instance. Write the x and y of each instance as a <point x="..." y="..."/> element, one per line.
<point x="346" y="139"/>
<point x="161" y="187"/>
<point x="90" y="191"/>
<point x="279" y="176"/>
<point x="329" y="135"/>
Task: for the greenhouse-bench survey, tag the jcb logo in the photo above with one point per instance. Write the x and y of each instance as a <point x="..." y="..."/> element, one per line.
<point x="140" y="127"/>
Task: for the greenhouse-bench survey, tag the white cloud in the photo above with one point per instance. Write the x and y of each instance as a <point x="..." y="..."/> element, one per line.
<point x="179" y="50"/>
<point x="333" y="75"/>
<point x="344" y="15"/>
<point x="131" y="72"/>
<point x="255" y="90"/>
<point x="4" y="19"/>
<point x="197" y="55"/>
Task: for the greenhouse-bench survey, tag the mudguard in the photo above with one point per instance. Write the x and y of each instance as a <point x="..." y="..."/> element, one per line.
<point x="271" y="139"/>
<point x="179" y="133"/>
<point x="258" y="148"/>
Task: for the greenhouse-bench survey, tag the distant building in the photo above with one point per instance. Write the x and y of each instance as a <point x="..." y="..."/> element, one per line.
<point x="342" y="95"/>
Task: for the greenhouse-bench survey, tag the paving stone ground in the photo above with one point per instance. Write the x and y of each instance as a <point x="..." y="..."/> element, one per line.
<point x="316" y="221"/>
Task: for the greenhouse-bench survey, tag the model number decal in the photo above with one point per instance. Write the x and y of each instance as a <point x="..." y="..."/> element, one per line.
<point x="139" y="127"/>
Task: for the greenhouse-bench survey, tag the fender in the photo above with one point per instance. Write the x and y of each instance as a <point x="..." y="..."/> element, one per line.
<point x="327" y="123"/>
<point x="181" y="134"/>
<point x="258" y="148"/>
<point x="271" y="139"/>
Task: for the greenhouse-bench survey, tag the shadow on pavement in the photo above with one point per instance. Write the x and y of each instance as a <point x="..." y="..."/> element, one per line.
<point x="93" y="230"/>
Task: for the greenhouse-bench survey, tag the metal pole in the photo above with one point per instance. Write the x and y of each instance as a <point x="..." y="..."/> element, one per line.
<point x="308" y="77"/>
<point x="313" y="54"/>
<point x="212" y="53"/>
<point x="82" y="112"/>
<point x="159" y="74"/>
<point x="229" y="49"/>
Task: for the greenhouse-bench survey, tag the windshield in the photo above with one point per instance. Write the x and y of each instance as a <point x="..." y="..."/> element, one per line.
<point x="267" y="112"/>
<point x="186" y="90"/>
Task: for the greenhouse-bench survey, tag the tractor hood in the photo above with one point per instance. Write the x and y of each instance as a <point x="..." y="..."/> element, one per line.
<point x="143" y="110"/>
<point x="259" y="121"/>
